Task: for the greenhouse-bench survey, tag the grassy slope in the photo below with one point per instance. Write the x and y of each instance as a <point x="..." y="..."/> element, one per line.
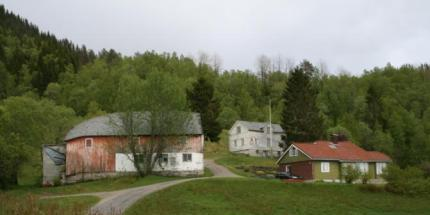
<point x="220" y="153"/>
<point x="256" y="196"/>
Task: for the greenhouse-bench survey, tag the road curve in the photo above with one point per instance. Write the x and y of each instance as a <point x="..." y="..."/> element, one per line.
<point x="117" y="201"/>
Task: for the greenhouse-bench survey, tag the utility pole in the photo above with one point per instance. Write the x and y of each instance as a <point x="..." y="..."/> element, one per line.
<point x="270" y="127"/>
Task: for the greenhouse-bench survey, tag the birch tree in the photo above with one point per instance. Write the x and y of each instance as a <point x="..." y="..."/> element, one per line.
<point x="155" y="109"/>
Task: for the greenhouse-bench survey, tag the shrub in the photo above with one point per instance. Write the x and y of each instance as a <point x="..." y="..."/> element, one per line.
<point x="408" y="181"/>
<point x="426" y="168"/>
<point x="365" y="177"/>
<point x="351" y="174"/>
<point x="374" y="188"/>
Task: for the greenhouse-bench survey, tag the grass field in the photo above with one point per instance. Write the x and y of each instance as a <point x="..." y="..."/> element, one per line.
<point x="32" y="205"/>
<point x="220" y="153"/>
<point x="108" y="184"/>
<point x="258" y="196"/>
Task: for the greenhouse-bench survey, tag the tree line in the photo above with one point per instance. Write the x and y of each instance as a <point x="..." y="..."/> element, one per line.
<point x="48" y="85"/>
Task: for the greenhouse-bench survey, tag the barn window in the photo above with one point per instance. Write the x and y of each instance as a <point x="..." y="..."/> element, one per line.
<point x="164" y="158"/>
<point x="325" y="166"/>
<point x="186" y="157"/>
<point x="88" y="142"/>
<point x="140" y="158"/>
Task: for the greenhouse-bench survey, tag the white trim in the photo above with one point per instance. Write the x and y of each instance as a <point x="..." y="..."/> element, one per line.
<point x="286" y="151"/>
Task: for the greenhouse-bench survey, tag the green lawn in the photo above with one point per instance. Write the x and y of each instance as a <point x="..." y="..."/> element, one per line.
<point x="220" y="153"/>
<point x="31" y="205"/>
<point x="258" y="196"/>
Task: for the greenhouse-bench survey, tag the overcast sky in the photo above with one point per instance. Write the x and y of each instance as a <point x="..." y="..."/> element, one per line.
<point x="346" y="35"/>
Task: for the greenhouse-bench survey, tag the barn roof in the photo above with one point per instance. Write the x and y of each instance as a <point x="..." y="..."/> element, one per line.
<point x="260" y="126"/>
<point x="344" y="151"/>
<point x="109" y="125"/>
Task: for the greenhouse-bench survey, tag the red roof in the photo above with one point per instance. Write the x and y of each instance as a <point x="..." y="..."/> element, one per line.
<point x="344" y="151"/>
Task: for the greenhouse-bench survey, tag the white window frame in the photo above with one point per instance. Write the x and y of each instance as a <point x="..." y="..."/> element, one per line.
<point x="91" y="142"/>
<point x="242" y="141"/>
<point x="235" y="143"/>
<point x="325" y="167"/>
<point x="238" y="130"/>
<point x="380" y="168"/>
<point x="187" y="157"/>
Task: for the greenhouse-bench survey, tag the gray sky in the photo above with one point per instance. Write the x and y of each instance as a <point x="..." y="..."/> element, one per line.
<point x="346" y="35"/>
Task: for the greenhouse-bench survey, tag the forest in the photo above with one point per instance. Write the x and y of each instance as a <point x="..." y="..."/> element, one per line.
<point x="47" y="85"/>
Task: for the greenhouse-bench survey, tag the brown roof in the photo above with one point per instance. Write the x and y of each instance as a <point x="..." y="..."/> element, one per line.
<point x="343" y="151"/>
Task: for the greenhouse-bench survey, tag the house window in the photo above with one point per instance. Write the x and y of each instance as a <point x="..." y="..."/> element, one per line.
<point x="186" y="157"/>
<point x="380" y="168"/>
<point x="242" y="142"/>
<point x="268" y="143"/>
<point x="88" y="142"/>
<point x="293" y="152"/>
<point x="325" y="166"/>
<point x="235" y="143"/>
<point x="238" y="129"/>
<point x="363" y="167"/>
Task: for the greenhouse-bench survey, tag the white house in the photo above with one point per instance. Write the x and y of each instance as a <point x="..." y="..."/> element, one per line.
<point x="254" y="138"/>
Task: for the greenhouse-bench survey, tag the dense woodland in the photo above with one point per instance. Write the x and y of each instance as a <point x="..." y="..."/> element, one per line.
<point x="47" y="85"/>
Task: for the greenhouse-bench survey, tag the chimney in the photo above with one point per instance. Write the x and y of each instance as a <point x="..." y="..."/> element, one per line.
<point x="337" y="137"/>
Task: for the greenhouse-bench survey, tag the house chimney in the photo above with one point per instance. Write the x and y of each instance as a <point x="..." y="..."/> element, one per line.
<point x="337" y="137"/>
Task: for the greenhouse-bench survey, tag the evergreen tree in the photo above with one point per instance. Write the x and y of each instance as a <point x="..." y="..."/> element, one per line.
<point x="300" y="116"/>
<point x="201" y="99"/>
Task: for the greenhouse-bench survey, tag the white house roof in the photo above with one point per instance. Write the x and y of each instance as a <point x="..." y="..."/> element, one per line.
<point x="260" y="126"/>
<point x="107" y="125"/>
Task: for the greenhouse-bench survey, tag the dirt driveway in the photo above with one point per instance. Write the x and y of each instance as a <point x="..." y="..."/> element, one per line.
<point x="116" y="202"/>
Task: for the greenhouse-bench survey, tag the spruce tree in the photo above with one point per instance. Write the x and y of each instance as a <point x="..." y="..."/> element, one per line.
<point x="300" y="116"/>
<point x="201" y="99"/>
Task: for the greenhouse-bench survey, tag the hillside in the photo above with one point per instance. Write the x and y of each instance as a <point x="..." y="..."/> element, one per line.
<point x="31" y="59"/>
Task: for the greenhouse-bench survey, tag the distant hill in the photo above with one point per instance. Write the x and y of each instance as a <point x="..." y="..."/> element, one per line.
<point x="30" y="58"/>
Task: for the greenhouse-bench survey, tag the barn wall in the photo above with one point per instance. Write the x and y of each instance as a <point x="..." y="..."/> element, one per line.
<point x="174" y="164"/>
<point x="100" y="157"/>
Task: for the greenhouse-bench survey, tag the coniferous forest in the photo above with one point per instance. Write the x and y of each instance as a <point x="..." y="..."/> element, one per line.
<point x="47" y="85"/>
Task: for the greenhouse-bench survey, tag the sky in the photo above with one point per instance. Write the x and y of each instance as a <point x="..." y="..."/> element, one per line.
<point x="345" y="36"/>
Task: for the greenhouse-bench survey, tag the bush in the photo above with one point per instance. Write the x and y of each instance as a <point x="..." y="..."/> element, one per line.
<point x="409" y="181"/>
<point x="351" y="174"/>
<point x="365" y="177"/>
<point x="374" y="188"/>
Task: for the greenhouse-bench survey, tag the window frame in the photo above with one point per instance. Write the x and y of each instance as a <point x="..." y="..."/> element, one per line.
<point x="325" y="167"/>
<point x="187" y="157"/>
<point x="90" y="143"/>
